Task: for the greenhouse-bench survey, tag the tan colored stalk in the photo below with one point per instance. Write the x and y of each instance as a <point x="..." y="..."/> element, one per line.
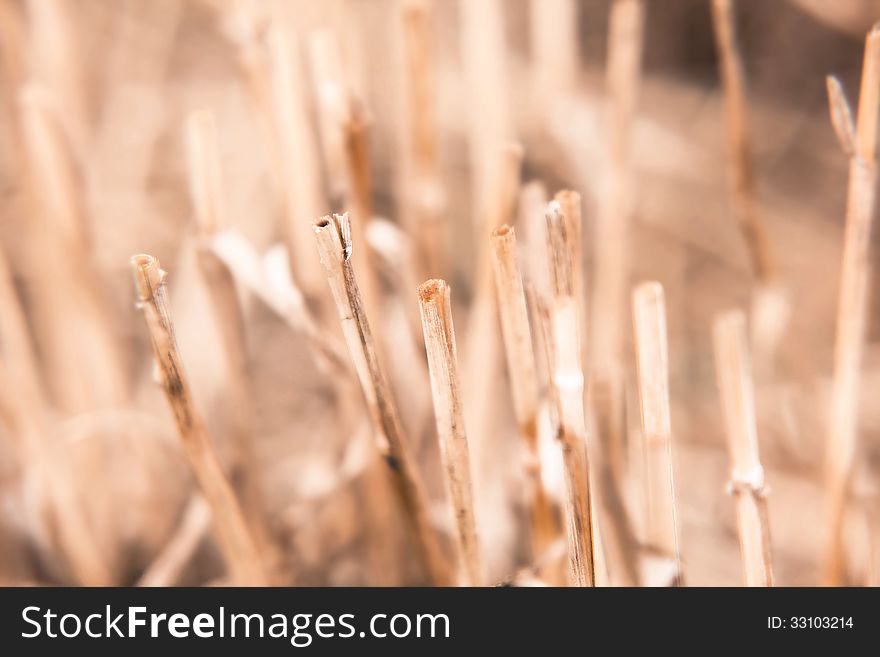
<point x="58" y="62"/>
<point x="436" y="310"/>
<point x="22" y="409"/>
<point x="568" y="394"/>
<point x="616" y="198"/>
<point x="554" y="42"/>
<point x="205" y="187"/>
<point x="482" y="350"/>
<point x="570" y="206"/>
<point x="331" y="89"/>
<point x="851" y="311"/>
<point x="649" y="319"/>
<point x="490" y="124"/>
<point x="747" y="476"/>
<point x="740" y="170"/>
<point x="356" y="131"/>
<point x="75" y="334"/>
<point x="297" y="154"/>
<point x="206" y="190"/>
<point x="333" y="237"/>
<point x="426" y="201"/>
<point x="167" y="568"/>
<point x="523" y="380"/>
<point x="236" y="542"/>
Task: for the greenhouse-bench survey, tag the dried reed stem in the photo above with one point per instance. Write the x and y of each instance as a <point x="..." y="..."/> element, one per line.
<point x="616" y="199"/>
<point x="523" y="380"/>
<point x="167" y="567"/>
<point x="568" y="394"/>
<point x="206" y="186"/>
<point x="649" y="319"/>
<point x="333" y="237"/>
<point x="490" y="124"/>
<point x="554" y="40"/>
<point x="79" y="343"/>
<point x="852" y="309"/>
<point x="570" y="206"/>
<point x="439" y="332"/>
<point x="425" y="197"/>
<point x="482" y="350"/>
<point x="356" y="132"/>
<point x="58" y="61"/>
<point x="747" y="475"/>
<point x="331" y="89"/>
<point x="742" y="179"/>
<point x="297" y="155"/>
<point x="615" y="204"/>
<point x="236" y="542"/>
<point x="22" y="410"/>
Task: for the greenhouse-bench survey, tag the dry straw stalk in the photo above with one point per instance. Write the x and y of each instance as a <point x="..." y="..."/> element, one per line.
<point x="649" y="317"/>
<point x="523" y="378"/>
<point x="439" y="333"/>
<point x="747" y="475"/>
<point x="333" y="237"/>
<point x="568" y="394"/>
<point x="861" y="142"/>
<point x="742" y="179"/>
<point x="236" y="542"/>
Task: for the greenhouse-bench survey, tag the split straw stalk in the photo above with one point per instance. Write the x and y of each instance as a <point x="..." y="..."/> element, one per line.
<point x="568" y="389"/>
<point x="333" y="237"/>
<point x="853" y="300"/>
<point x="436" y="311"/>
<point x="649" y="317"/>
<point x="523" y="379"/>
<point x="747" y="475"/>
<point x="236" y="542"/>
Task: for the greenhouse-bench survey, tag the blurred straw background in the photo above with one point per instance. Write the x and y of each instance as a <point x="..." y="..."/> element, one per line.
<point x="213" y="134"/>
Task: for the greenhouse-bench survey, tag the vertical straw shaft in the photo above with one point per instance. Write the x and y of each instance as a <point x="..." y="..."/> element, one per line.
<point x="747" y="475"/>
<point x="568" y="394"/>
<point x="554" y="42"/>
<point x="206" y="190"/>
<point x="333" y="238"/>
<point x="649" y="317"/>
<point x="436" y="311"/>
<point x="236" y="542"/>
<point x="296" y="153"/>
<point x="425" y="197"/>
<point x="742" y="181"/>
<point x="489" y="118"/>
<point x="852" y="311"/>
<point x="482" y="352"/>
<point x="523" y="378"/>
<point x="622" y="81"/>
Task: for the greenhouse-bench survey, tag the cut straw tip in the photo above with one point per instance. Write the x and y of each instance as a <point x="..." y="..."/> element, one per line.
<point x="432" y="289"/>
<point x="319" y="225"/>
<point x="648" y="291"/>
<point x="341" y="224"/>
<point x="841" y="115"/>
<point x="147" y="275"/>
